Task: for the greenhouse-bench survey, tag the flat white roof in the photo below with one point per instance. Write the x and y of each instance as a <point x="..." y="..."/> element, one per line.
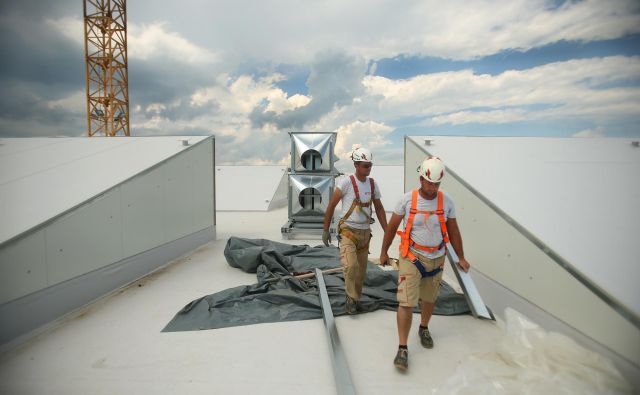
<point x="116" y="345"/>
<point x="41" y="178"/>
<point x="578" y="195"/>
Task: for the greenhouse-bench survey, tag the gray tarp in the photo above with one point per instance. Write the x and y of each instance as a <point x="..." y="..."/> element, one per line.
<point x="276" y="297"/>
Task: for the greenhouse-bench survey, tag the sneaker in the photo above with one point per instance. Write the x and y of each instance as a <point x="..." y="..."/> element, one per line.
<point x="425" y="337"/>
<point x="402" y="359"/>
<point x="351" y="306"/>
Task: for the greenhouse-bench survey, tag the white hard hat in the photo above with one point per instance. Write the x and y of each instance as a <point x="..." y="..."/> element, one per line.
<point x="361" y="155"/>
<point x="432" y="169"/>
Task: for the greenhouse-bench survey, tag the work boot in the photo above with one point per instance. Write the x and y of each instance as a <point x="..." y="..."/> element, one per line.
<point x="402" y="359"/>
<point x="351" y="305"/>
<point x="425" y="337"/>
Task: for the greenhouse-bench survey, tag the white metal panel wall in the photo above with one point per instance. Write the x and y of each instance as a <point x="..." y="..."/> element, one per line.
<point x="143" y="202"/>
<point x="169" y="201"/>
<point x="500" y="251"/>
<point x="22" y="267"/>
<point x="203" y="195"/>
<point x="86" y="239"/>
<point x="413" y="157"/>
<point x="179" y="193"/>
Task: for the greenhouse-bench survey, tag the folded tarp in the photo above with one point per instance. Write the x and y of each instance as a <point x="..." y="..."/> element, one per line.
<point x="277" y="296"/>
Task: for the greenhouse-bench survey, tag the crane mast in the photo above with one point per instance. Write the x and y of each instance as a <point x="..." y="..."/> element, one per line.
<point x="105" y="44"/>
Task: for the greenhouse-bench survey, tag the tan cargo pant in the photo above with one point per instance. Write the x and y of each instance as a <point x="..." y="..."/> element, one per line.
<point x="411" y="285"/>
<point x="354" y="256"/>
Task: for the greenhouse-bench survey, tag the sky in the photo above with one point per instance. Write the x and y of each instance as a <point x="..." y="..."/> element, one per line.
<point x="372" y="71"/>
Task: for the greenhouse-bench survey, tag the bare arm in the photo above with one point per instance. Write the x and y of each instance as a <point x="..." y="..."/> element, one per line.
<point x="456" y="242"/>
<point x="337" y="195"/>
<point x="382" y="216"/>
<point x="389" y="234"/>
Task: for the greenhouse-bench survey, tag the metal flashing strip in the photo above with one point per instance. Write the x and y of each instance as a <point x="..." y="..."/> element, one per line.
<point x="593" y="287"/>
<point x="471" y="294"/>
<point x="344" y="384"/>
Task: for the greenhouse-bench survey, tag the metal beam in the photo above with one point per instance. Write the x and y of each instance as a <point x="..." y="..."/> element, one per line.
<point x="344" y="385"/>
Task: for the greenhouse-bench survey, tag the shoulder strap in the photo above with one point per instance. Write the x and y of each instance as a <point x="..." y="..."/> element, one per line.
<point x="443" y="222"/>
<point x="405" y="237"/>
<point x="373" y="188"/>
<point x="412" y="212"/>
<point x="355" y="187"/>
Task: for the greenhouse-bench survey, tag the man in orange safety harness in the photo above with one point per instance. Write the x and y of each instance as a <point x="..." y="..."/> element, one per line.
<point x="430" y="223"/>
<point x="357" y="191"/>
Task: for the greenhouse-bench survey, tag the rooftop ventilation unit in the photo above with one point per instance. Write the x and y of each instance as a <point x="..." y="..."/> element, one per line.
<point x="312" y="152"/>
<point x="311" y="182"/>
<point x="310" y="196"/>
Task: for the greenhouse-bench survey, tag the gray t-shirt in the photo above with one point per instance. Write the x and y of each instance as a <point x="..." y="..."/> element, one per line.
<point x="357" y="219"/>
<point x="425" y="231"/>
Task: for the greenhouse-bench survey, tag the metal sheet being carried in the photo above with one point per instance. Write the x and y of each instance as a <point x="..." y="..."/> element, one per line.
<point x="312" y="152"/>
<point x="309" y="196"/>
<point x="471" y="294"/>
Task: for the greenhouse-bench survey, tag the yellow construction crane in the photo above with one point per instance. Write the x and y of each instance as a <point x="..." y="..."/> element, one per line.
<point x="105" y="46"/>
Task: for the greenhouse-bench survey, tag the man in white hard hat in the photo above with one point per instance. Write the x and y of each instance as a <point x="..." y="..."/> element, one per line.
<point x="430" y="223"/>
<point x="357" y="191"/>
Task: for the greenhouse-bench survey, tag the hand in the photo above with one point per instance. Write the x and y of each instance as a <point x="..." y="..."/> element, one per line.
<point x="326" y="237"/>
<point x="384" y="258"/>
<point x="464" y="265"/>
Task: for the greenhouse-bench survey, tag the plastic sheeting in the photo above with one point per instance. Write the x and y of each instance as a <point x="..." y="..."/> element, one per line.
<point x="532" y="361"/>
<point x="278" y="296"/>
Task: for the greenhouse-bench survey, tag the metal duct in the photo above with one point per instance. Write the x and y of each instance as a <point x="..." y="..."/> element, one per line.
<point x="309" y="196"/>
<point x="312" y="152"/>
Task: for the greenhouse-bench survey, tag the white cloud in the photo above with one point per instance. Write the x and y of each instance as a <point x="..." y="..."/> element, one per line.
<point x="465" y="30"/>
<point x="76" y="100"/>
<point x="241" y="95"/>
<point x="280" y="102"/>
<point x="367" y="134"/>
<point x="146" y="41"/>
<point x="155" y="108"/>
<point x="269" y="33"/>
<point x="579" y="88"/>
<point x="592" y="90"/>
<point x="291" y="31"/>
<point x="597" y="132"/>
<point x="71" y="28"/>
<point x="154" y="41"/>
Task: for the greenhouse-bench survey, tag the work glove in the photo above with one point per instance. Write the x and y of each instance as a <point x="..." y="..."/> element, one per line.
<point x="326" y="237"/>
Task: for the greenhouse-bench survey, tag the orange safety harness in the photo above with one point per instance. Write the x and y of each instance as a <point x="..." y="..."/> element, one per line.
<point x="406" y="241"/>
<point x="357" y="205"/>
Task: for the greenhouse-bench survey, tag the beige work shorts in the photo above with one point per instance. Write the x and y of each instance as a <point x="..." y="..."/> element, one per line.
<point x="411" y="285"/>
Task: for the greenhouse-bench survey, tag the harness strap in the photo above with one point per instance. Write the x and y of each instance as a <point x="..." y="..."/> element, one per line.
<point x="357" y="203"/>
<point x="425" y="248"/>
<point x="406" y="240"/>
<point x="423" y="272"/>
<point x="357" y="191"/>
<point x="349" y="235"/>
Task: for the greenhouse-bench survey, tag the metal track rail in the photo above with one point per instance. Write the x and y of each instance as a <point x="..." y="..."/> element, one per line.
<point x="344" y="385"/>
